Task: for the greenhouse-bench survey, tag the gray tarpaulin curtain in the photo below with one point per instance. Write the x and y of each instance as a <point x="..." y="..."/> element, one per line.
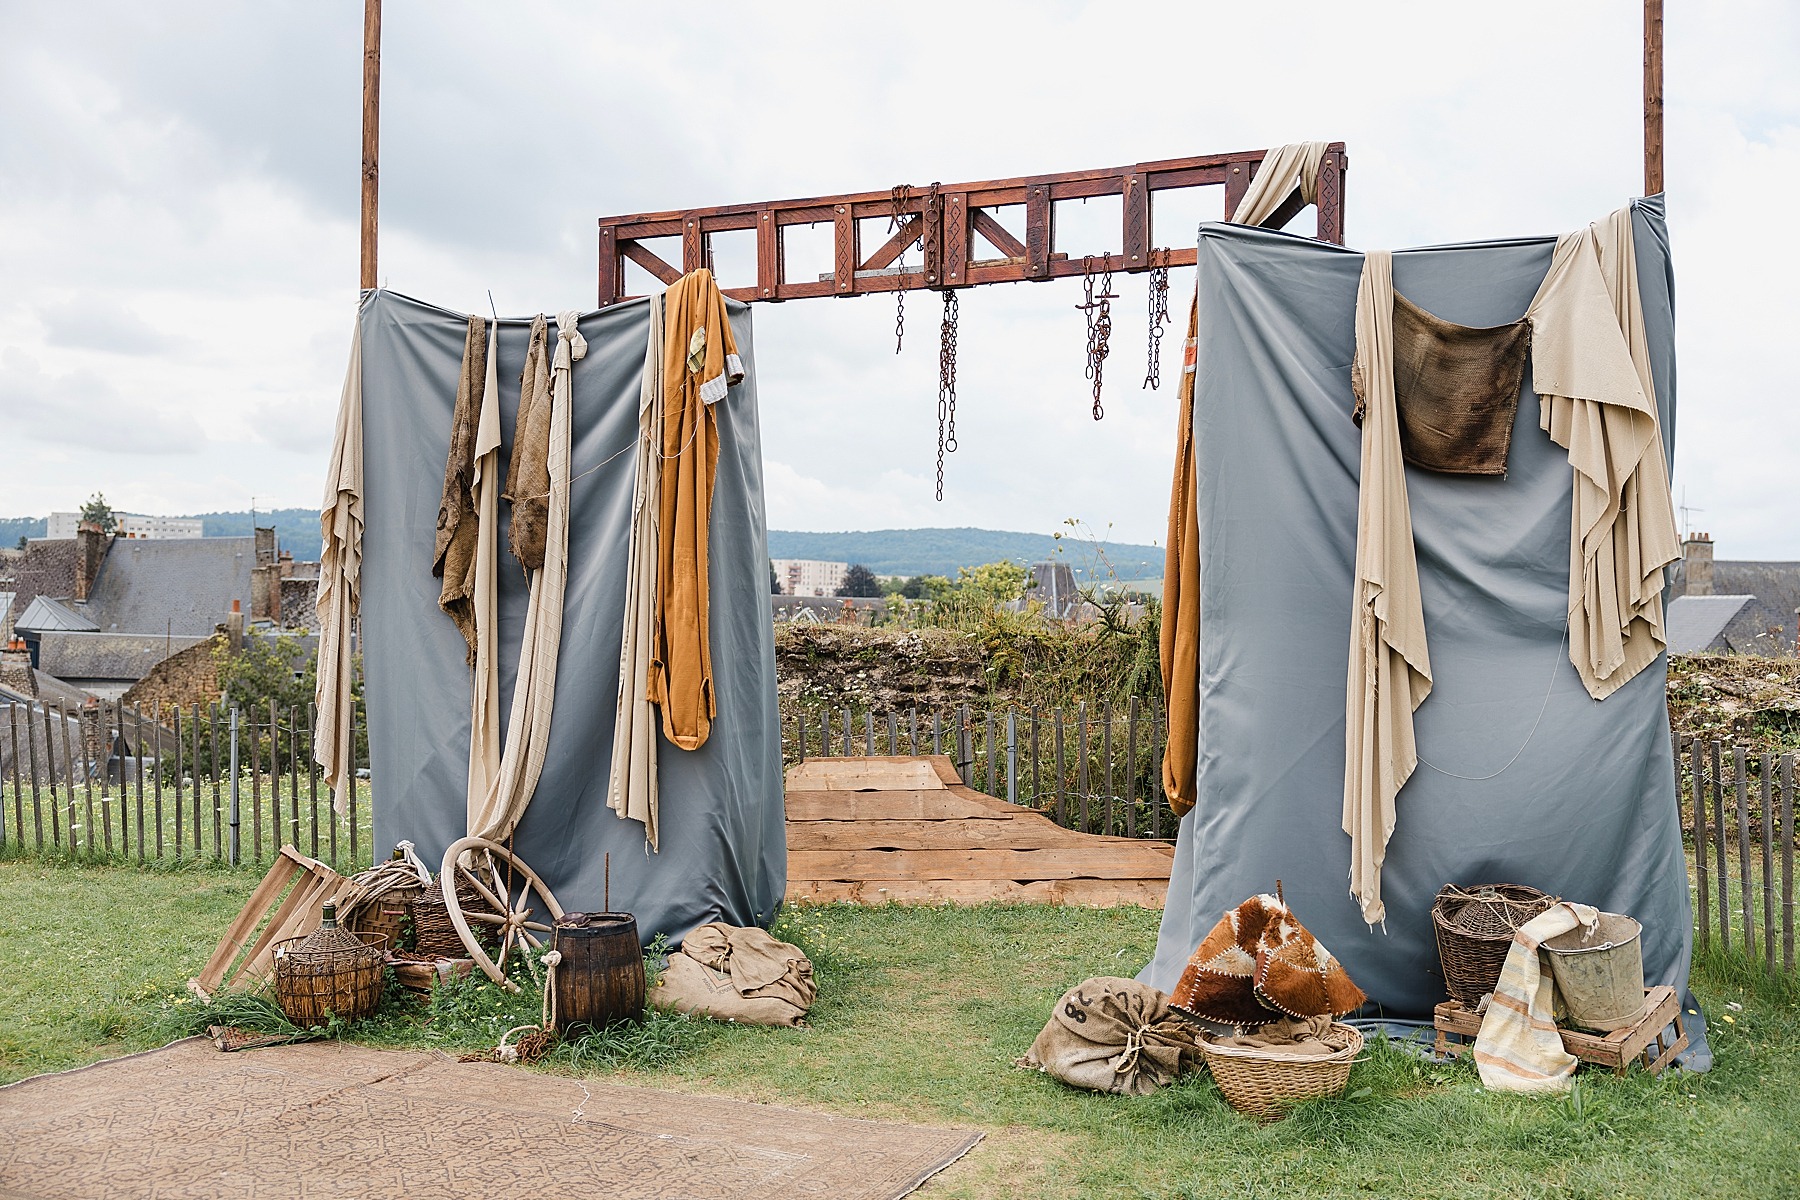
<point x="723" y="853"/>
<point x="1588" y="811"/>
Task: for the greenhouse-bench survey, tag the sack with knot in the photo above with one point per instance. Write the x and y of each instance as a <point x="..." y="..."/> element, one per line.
<point x="1114" y="1035"/>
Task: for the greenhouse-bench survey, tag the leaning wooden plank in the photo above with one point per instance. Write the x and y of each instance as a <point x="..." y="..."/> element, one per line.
<point x="1104" y="893"/>
<point x="888" y="806"/>
<point x="1024" y="832"/>
<point x="1104" y="863"/>
<point x="873" y="773"/>
<point x="299" y="913"/>
<point x="273" y="884"/>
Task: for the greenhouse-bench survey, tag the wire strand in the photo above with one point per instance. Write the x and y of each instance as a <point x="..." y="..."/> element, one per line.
<point x="1544" y="708"/>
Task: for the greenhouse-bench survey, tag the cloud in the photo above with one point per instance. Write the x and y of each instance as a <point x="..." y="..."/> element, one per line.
<point x="98" y="323"/>
<point x="83" y="409"/>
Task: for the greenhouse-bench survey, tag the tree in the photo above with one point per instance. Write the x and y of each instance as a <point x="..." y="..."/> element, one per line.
<point x="859" y="581"/>
<point x="98" y="512"/>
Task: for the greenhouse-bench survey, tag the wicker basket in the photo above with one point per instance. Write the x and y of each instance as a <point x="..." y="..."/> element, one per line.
<point x="385" y="915"/>
<point x="436" y="936"/>
<point x="1259" y="1084"/>
<point x="330" y="971"/>
<point x="1475" y="927"/>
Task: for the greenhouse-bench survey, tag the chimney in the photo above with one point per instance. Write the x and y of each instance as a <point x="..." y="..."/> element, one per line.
<point x="1697" y="564"/>
<point x="234" y="627"/>
<point x="91" y="544"/>
<point x="265" y="546"/>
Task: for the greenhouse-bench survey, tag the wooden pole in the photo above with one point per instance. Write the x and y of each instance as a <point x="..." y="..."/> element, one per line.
<point x="371" y="135"/>
<point x="1653" y="97"/>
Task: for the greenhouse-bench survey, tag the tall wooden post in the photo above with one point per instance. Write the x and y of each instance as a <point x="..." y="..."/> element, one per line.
<point x="1653" y="97"/>
<point x="371" y="136"/>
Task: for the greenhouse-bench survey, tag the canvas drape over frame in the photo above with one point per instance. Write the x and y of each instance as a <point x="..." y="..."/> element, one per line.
<point x="723" y="852"/>
<point x="1588" y="811"/>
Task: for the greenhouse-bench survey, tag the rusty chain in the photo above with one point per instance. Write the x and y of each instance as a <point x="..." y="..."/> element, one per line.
<point x="1098" y="310"/>
<point x="946" y="385"/>
<point x="1159" y="316"/>
<point x="901" y="196"/>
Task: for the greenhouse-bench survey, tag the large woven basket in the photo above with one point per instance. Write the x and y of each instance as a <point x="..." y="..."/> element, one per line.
<point x="1475" y="927"/>
<point x="434" y="933"/>
<point x="385" y="914"/>
<point x="329" y="972"/>
<point x="1260" y="1085"/>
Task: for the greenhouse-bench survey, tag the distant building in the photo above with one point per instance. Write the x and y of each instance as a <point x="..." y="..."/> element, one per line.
<point x="1727" y="606"/>
<point x="131" y="525"/>
<point x="809" y="576"/>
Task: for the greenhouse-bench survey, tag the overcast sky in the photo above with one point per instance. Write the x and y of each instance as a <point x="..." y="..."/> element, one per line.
<point x="178" y="215"/>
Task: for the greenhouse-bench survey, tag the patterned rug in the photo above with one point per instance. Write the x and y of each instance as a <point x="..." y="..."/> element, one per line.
<point x="327" y="1120"/>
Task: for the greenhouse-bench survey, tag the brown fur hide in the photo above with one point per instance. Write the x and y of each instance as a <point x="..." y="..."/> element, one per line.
<point x="1259" y="964"/>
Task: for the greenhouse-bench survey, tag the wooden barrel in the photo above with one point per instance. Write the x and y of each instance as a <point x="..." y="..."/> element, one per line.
<point x="601" y="976"/>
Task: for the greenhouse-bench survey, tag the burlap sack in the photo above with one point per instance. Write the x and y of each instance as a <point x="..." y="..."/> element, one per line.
<point x="1114" y="1035"/>
<point x="736" y="974"/>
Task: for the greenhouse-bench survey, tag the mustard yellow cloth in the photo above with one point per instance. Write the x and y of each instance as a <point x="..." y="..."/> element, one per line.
<point x="1390" y="671"/>
<point x="1284" y="170"/>
<point x="700" y="362"/>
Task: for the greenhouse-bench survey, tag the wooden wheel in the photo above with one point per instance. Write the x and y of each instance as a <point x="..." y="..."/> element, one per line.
<point x="508" y="888"/>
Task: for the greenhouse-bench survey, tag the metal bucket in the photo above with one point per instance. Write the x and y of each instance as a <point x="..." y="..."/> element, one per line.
<point x="1600" y="972"/>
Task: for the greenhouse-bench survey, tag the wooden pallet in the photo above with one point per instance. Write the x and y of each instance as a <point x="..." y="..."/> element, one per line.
<point x="285" y="904"/>
<point x="871" y="830"/>
<point x="1642" y="1042"/>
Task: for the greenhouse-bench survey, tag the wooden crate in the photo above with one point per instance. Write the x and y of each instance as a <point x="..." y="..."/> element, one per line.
<point x="1645" y="1041"/>
<point x="287" y="903"/>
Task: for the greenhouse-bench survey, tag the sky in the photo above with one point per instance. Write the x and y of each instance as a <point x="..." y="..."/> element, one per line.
<point x="179" y="191"/>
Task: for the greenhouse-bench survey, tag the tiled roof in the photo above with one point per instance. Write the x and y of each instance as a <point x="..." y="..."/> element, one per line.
<point x="47" y="568"/>
<point x="106" y="656"/>
<point x="1694" y="624"/>
<point x="179" y="586"/>
<point x="44" y="615"/>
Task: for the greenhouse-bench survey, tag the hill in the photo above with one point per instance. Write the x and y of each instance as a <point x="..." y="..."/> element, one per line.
<point x="297" y="529"/>
<point x="943" y="551"/>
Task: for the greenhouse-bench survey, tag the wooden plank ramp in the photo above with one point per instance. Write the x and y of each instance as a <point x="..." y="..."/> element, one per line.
<point x="878" y="829"/>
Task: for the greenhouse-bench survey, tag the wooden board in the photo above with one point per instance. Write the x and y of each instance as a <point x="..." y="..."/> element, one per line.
<point x="279" y="912"/>
<point x="1642" y="1041"/>
<point x="878" y="829"/>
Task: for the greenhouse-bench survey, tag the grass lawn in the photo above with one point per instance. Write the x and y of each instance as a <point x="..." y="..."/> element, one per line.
<point x="921" y="1013"/>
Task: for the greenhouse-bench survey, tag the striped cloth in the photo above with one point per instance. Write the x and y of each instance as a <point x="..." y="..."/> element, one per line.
<point x="1518" y="1048"/>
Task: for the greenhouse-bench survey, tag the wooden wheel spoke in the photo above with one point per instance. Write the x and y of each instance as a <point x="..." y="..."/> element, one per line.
<point x="485" y="918"/>
<point x="531" y="941"/>
<point x="482" y="888"/>
<point x="539" y="926"/>
<point x="508" y="914"/>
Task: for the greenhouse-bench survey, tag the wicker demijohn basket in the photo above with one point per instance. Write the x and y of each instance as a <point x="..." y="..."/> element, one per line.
<point x="385" y="915"/>
<point x="1475" y="928"/>
<point x="330" y="971"/>
<point x="435" y="935"/>
<point x="1258" y="1084"/>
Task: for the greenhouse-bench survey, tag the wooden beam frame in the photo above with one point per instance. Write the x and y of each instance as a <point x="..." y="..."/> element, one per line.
<point x="963" y="243"/>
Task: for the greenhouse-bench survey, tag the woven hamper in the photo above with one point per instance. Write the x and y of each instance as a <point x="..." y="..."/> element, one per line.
<point x="1259" y="1084"/>
<point x="1475" y="927"/>
<point x="435" y="935"/>
<point x="385" y="915"/>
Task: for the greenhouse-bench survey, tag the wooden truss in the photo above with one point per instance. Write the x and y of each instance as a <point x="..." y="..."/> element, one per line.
<point x="963" y="241"/>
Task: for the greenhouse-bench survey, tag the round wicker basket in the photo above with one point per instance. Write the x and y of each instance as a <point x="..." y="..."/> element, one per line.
<point x="1259" y="1084"/>
<point x="330" y="971"/>
<point x="1475" y="927"/>
<point x="432" y="931"/>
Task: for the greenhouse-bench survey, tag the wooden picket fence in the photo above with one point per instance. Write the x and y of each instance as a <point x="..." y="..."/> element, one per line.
<point x="1095" y="768"/>
<point x="1737" y="807"/>
<point x="211" y="783"/>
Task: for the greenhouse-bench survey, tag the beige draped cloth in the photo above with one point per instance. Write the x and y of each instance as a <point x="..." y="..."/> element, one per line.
<point x="340" y="573"/>
<point x="1284" y="170"/>
<point x="484" y="717"/>
<point x="631" y="787"/>
<point x="1591" y="371"/>
<point x="534" y="687"/>
<point x="1390" y="671"/>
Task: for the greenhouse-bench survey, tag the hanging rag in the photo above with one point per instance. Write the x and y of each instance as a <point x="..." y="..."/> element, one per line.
<point x="700" y="362"/>
<point x="484" y="715"/>
<point x="340" y="574"/>
<point x="1518" y="1048"/>
<point x="1258" y="965"/>
<point x="1390" y="671"/>
<point x="454" y="559"/>
<point x="528" y="472"/>
<point x="631" y="789"/>
<point x="1284" y="170"/>
<point x="1590" y="367"/>
<point x="1456" y="390"/>
<point x="534" y="686"/>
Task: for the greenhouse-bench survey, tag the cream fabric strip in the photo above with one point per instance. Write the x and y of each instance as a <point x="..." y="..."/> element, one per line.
<point x="534" y="688"/>
<point x="1284" y="170"/>
<point x="484" y="716"/>
<point x="340" y="574"/>
<point x="1518" y="1048"/>
<point x="1390" y="671"/>
<point x="1591" y="371"/>
<point x="632" y="785"/>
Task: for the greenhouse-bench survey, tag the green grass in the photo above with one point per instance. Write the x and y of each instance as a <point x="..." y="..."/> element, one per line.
<point x="920" y="1015"/>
